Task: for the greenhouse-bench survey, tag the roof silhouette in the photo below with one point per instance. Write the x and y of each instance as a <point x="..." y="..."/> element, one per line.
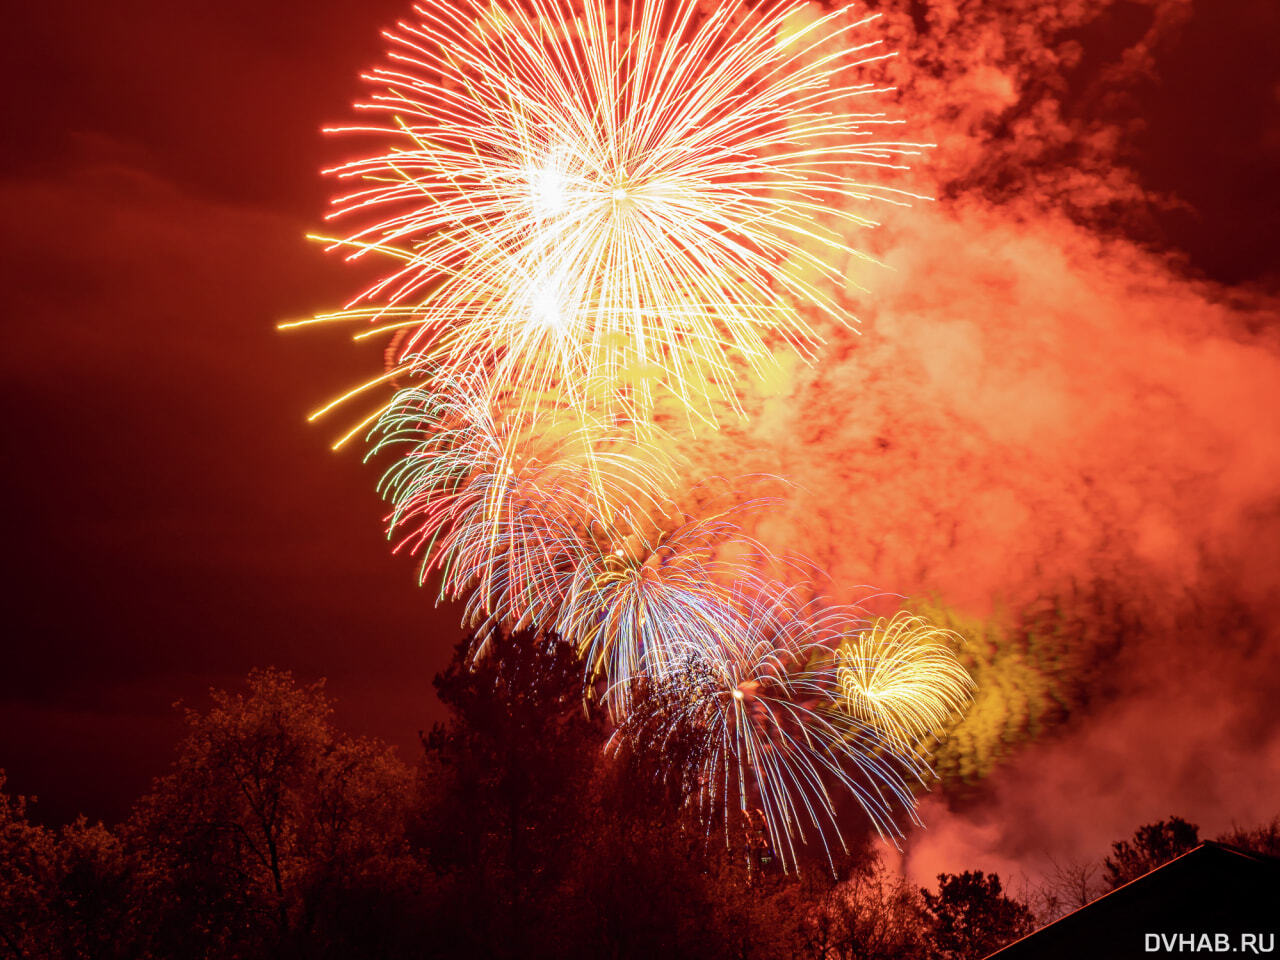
<point x="1211" y="889"/>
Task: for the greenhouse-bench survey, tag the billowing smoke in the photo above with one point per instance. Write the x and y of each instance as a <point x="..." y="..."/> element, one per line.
<point x="1059" y="436"/>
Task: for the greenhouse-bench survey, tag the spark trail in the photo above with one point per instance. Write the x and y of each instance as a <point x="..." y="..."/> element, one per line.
<point x="598" y="223"/>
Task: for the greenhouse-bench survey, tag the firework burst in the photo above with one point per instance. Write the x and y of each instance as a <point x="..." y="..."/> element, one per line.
<point x="504" y="513"/>
<point x="655" y="601"/>
<point x="901" y="676"/>
<point x="768" y="730"/>
<point x="618" y="205"/>
<point x="596" y="214"/>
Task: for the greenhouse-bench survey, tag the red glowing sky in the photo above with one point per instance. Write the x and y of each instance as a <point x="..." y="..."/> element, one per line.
<point x="1071" y="375"/>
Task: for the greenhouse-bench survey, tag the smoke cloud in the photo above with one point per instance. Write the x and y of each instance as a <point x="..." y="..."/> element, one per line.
<point x="1059" y="429"/>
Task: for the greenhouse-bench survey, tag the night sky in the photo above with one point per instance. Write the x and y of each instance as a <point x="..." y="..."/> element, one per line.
<point x="174" y="522"/>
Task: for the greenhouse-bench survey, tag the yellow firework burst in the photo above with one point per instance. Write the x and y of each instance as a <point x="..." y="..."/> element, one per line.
<point x="901" y="676"/>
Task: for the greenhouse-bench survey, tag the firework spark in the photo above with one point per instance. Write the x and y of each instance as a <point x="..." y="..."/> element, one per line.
<point x="601" y="220"/>
<point x="901" y="675"/>
<point x="765" y="716"/>
<point x="625" y="207"/>
<point x="648" y="606"/>
<point x="504" y="513"/>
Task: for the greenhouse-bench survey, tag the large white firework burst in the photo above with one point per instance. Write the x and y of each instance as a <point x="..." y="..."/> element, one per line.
<point x="625" y="205"/>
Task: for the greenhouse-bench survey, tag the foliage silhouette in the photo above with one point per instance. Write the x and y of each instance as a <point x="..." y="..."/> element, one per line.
<point x="529" y="826"/>
<point x="971" y="915"/>
<point x="1151" y="845"/>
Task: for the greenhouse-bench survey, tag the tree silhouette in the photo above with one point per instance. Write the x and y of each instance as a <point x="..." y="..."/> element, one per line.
<point x="872" y="914"/>
<point x="1151" y="845"/>
<point x="268" y="819"/>
<point x="503" y="784"/>
<point x="971" y="915"/>
<point x="533" y="826"/>
<point x="26" y="854"/>
<point x="1067" y="886"/>
<point x="63" y="893"/>
<point x="1264" y="838"/>
<point x="577" y="840"/>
